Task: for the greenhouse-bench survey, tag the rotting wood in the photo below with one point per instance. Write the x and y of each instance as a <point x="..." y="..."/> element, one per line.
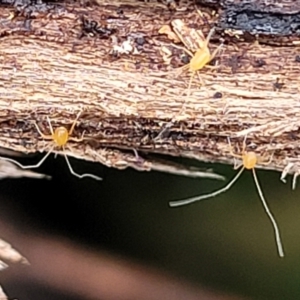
<point x="272" y="22"/>
<point x="50" y="68"/>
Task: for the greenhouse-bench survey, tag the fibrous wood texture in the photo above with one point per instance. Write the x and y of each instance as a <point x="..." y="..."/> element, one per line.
<point x="121" y="73"/>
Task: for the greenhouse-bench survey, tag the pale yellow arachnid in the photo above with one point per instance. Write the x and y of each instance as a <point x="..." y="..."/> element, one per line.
<point x="201" y="58"/>
<point x="249" y="161"/>
<point x="194" y="41"/>
<point x="60" y="137"/>
<point x="196" y="45"/>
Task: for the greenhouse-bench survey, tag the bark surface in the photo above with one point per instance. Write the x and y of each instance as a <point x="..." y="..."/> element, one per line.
<point x="108" y="60"/>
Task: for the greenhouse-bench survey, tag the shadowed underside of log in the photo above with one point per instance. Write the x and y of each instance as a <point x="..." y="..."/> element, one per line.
<point x="124" y="78"/>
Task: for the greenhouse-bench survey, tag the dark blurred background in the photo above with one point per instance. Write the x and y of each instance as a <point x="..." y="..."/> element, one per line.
<point x="224" y="243"/>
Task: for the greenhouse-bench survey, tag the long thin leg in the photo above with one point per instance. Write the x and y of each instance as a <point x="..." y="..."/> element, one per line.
<point x="178" y="70"/>
<point x="197" y="9"/>
<point x="231" y="152"/>
<point x="269" y="161"/>
<point x="50" y="126"/>
<point x="44" y="136"/>
<point x="76" y="174"/>
<point x="275" y="226"/>
<point x="200" y="79"/>
<point x="30" y="166"/>
<point x="244" y="144"/>
<point x="214" y="54"/>
<point x="210" y="34"/>
<point x="187" y="51"/>
<point x="74" y="123"/>
<point x="295" y="180"/>
<point x="77" y="139"/>
<point x="198" y="198"/>
<point x="171" y="123"/>
<point x="189" y="88"/>
<point x="189" y="91"/>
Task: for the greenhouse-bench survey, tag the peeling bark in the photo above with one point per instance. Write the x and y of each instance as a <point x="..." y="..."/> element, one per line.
<point x="124" y="77"/>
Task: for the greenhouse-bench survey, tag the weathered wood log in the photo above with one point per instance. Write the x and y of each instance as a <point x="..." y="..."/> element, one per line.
<point x="109" y="61"/>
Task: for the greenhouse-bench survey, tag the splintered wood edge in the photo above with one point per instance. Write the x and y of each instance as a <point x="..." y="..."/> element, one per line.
<point x="270" y="120"/>
<point x="125" y="109"/>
